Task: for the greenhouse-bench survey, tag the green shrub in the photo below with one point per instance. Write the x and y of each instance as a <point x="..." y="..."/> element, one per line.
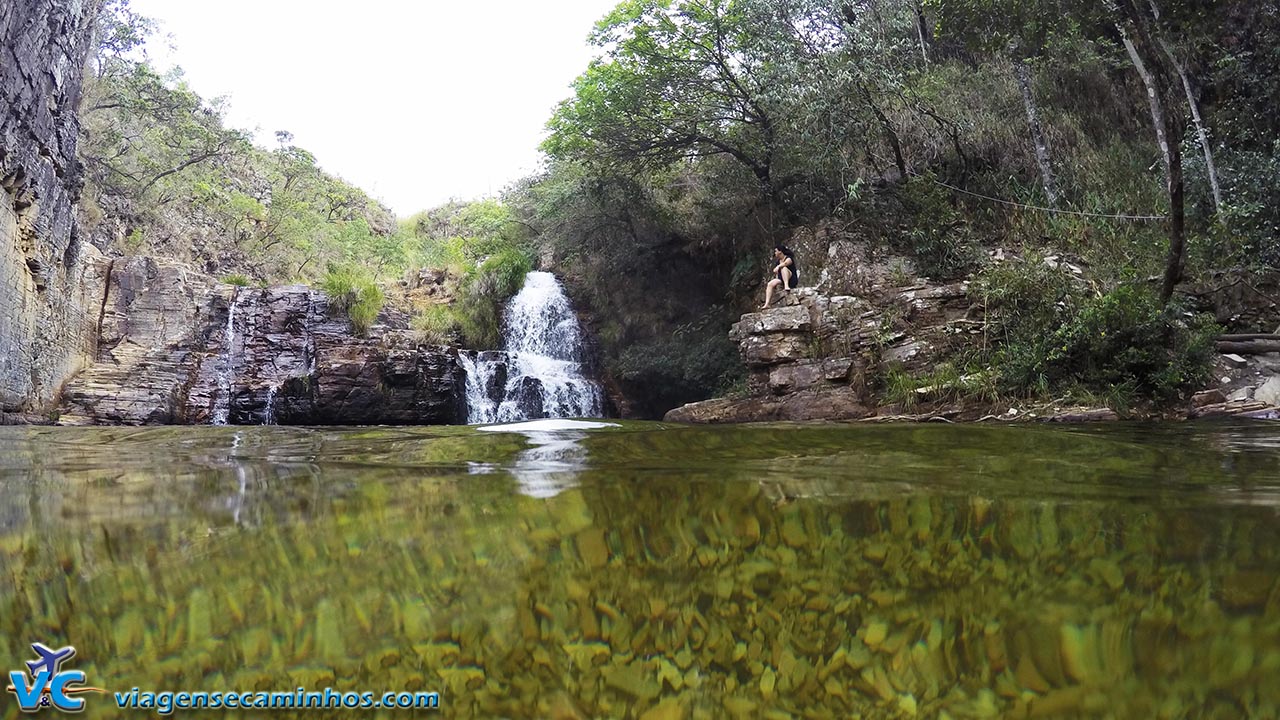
<point x="899" y="387"/>
<point x="237" y="279"/>
<point x="444" y="253"/>
<point x="483" y="293"/>
<point x="938" y="235"/>
<point x="1119" y="344"/>
<point x="945" y="382"/>
<point x="437" y="324"/>
<point x="340" y="285"/>
<point x="356" y="294"/>
<point x="365" y="309"/>
<point x="1025" y="298"/>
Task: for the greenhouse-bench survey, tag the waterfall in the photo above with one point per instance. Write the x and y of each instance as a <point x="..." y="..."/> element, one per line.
<point x="308" y="326"/>
<point x="538" y="374"/>
<point x="269" y="414"/>
<point x="222" y="404"/>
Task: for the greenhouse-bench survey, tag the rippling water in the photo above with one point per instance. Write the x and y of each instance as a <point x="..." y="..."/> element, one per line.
<point x="655" y="572"/>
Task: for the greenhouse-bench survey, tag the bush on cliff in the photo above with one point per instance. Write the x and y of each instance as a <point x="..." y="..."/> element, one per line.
<point x="355" y="293"/>
<point x="437" y="324"/>
<point x="484" y="291"/>
<point x="481" y="242"/>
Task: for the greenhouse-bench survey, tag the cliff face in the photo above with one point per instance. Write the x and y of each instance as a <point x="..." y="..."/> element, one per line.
<point x="815" y="356"/>
<point x="162" y="343"/>
<point x="50" y="291"/>
<point x="178" y="347"/>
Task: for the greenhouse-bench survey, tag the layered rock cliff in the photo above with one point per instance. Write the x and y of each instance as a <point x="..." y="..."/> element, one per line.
<point x="50" y="290"/>
<point x="176" y="347"/>
<point x="815" y="356"/>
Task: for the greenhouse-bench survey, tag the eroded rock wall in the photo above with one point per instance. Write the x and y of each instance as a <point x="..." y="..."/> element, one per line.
<point x="816" y="354"/>
<point x="178" y="347"/>
<point x="50" y="289"/>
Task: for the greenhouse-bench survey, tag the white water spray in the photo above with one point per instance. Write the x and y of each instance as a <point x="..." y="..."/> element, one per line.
<point x="269" y="414"/>
<point x="222" y="404"/>
<point x="539" y="374"/>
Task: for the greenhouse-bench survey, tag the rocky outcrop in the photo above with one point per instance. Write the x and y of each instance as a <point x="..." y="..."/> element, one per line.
<point x="811" y="356"/>
<point x="50" y="289"/>
<point x="820" y="353"/>
<point x="176" y="346"/>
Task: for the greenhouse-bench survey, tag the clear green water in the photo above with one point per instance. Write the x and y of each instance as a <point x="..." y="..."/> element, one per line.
<point x="658" y="572"/>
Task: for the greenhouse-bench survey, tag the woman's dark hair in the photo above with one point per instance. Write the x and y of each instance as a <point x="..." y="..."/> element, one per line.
<point x="784" y="250"/>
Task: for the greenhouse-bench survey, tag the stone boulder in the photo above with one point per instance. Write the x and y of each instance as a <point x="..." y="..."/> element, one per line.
<point x="1269" y="392"/>
<point x="528" y="397"/>
<point x="828" y="404"/>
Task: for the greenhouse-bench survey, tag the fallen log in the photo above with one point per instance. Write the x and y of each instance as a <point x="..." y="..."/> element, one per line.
<point x="1244" y="337"/>
<point x="1240" y="408"/>
<point x="1249" y="347"/>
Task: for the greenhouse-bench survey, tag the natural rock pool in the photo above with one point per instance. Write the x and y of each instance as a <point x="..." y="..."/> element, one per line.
<point x="655" y="571"/>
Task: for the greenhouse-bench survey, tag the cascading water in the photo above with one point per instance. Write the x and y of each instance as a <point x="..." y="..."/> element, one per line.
<point x="539" y="373"/>
<point x="222" y="404"/>
<point x="269" y="412"/>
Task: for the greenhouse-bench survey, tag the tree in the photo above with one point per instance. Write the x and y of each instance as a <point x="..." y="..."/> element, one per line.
<point x="679" y="80"/>
<point x="141" y="127"/>
<point x="1136" y="32"/>
<point x="1023" y="34"/>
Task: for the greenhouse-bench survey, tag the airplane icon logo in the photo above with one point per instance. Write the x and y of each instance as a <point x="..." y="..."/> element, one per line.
<point x="50" y="660"/>
<point x="48" y="685"/>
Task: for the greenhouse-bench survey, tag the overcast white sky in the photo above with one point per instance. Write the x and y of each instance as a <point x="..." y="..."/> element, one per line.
<point x="415" y="102"/>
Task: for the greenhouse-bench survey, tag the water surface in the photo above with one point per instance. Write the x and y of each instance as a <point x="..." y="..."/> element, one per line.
<point x="653" y="572"/>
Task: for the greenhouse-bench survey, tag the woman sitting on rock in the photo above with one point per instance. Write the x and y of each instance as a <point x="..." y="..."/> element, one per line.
<point x="785" y="273"/>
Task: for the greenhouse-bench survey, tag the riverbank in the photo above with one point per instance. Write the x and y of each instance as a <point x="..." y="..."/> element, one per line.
<point x="872" y="343"/>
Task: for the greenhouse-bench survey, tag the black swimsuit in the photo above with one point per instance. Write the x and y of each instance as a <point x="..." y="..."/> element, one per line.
<point x="795" y="274"/>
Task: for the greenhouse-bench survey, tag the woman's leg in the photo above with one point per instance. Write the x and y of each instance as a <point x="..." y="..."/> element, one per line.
<point x="786" y="278"/>
<point x="768" y="293"/>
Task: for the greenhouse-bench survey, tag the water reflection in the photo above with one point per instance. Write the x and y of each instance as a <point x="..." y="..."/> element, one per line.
<point x="555" y="458"/>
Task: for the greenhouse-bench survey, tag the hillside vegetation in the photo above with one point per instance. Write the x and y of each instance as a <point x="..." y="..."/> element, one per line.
<point x="167" y="176"/>
<point x="1136" y="138"/>
<point x="706" y="130"/>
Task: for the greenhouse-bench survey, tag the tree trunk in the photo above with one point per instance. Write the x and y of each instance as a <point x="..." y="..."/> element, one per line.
<point x="1189" y="89"/>
<point x="1201" y="132"/>
<point x="1253" y="347"/>
<point x="889" y="133"/>
<point x="1177" y="215"/>
<point x="1246" y="337"/>
<point x="1168" y="127"/>
<point x="1023" y="71"/>
<point x="1153" y="99"/>
<point x="921" y="24"/>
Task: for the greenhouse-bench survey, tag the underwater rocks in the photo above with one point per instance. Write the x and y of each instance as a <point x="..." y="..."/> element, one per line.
<point x="744" y="600"/>
<point x="178" y="347"/>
